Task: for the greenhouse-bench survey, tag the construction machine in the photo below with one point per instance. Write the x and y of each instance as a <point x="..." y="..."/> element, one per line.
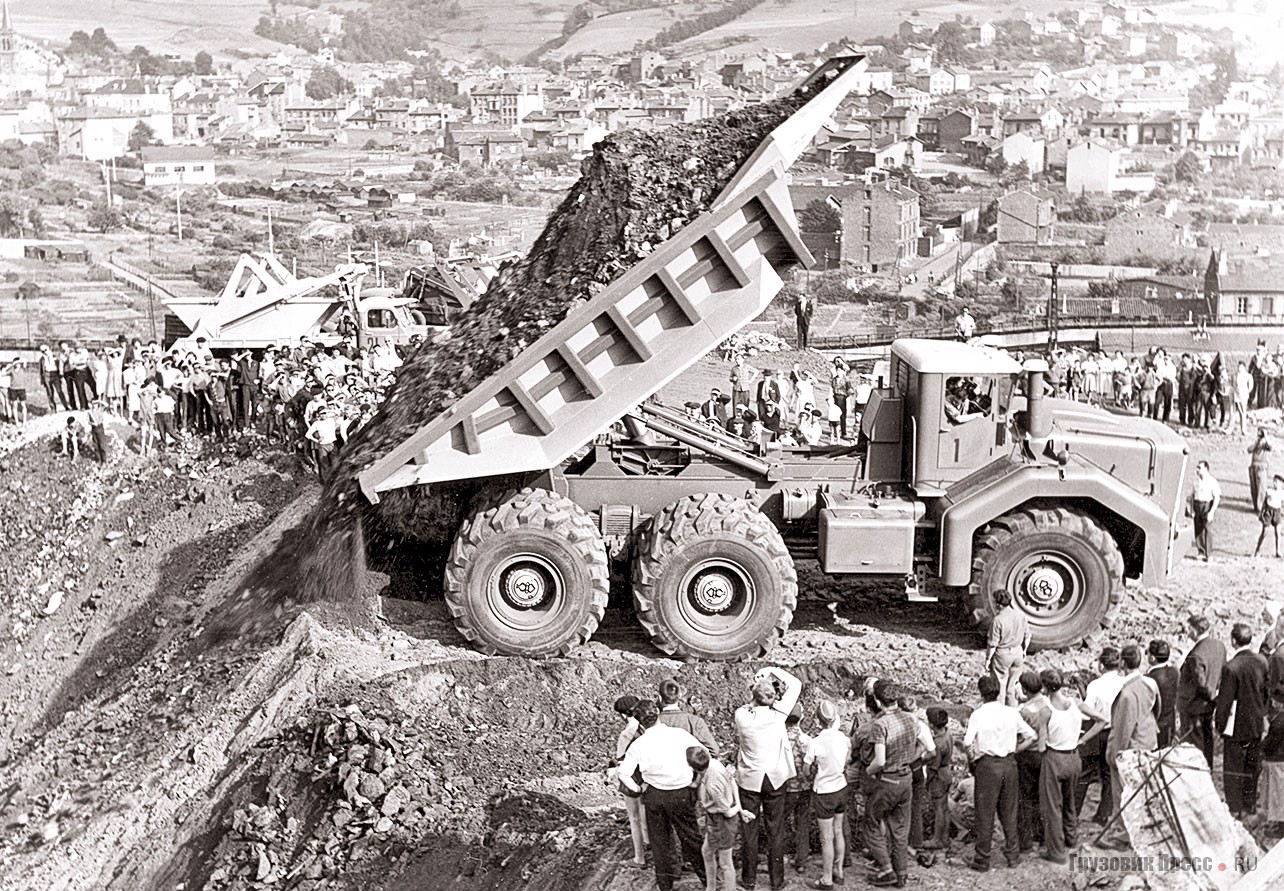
<point x="264" y="303"/>
<point x="967" y="477"/>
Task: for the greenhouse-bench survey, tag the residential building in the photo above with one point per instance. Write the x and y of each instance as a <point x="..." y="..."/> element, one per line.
<point x="1023" y="148"/>
<point x="1134" y="233"/>
<point x="1027" y="216"/>
<point x="1245" y="290"/>
<point x="954" y="126"/>
<point x="879" y="224"/>
<point x="505" y="103"/>
<point x="188" y="165"/>
<point x="1102" y="167"/>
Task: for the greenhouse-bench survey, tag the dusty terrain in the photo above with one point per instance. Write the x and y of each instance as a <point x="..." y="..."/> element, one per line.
<point x="145" y="747"/>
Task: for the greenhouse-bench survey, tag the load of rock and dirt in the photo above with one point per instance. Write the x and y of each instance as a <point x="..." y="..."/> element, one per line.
<point x="637" y="189"/>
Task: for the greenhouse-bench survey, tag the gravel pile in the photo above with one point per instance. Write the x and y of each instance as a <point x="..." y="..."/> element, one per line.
<point x="637" y="189"/>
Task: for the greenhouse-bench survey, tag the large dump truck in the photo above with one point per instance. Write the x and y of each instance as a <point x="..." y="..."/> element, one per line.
<point x="563" y="465"/>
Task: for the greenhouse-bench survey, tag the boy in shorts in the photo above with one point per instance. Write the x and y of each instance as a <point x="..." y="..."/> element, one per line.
<point x="719" y="800"/>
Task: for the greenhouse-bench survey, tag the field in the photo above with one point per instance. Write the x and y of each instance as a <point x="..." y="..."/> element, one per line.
<point x="620" y="31"/>
<point x="511" y="29"/>
<point x="217" y="26"/>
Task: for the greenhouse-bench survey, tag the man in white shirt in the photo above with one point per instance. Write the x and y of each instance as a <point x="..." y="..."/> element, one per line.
<point x="995" y="733"/>
<point x="1098" y="700"/>
<point x="1059" y="770"/>
<point x="829" y="751"/>
<point x="667" y="792"/>
<point x="1205" y="499"/>
<point x="765" y="765"/>
<point x="964" y="325"/>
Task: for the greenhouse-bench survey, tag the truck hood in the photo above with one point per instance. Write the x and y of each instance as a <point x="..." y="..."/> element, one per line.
<point x="1145" y="455"/>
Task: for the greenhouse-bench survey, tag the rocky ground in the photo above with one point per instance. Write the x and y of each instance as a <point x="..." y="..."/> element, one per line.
<point x="144" y="746"/>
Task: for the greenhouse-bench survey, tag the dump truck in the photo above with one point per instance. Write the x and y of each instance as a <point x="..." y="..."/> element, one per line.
<point x="264" y="303"/>
<point x="967" y="477"/>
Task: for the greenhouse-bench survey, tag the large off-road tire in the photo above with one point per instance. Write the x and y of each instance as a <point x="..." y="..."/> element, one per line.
<point x="1064" y="571"/>
<point x="712" y="579"/>
<point x="528" y="576"/>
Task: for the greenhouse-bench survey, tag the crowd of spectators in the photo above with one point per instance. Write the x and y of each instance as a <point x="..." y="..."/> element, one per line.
<point x="891" y="787"/>
<point x="307" y="395"/>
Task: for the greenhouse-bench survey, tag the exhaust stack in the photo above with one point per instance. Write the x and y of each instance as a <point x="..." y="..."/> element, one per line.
<point x="1038" y="413"/>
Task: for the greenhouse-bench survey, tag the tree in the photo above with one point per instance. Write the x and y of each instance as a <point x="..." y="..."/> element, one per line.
<point x="995" y="164"/>
<point x="950" y="42"/>
<point x="819" y="217"/>
<point x="989" y="216"/>
<point x="325" y="83"/>
<point x="12" y="214"/>
<point x="141" y="135"/>
<point x="1010" y="291"/>
<point x="965" y="289"/>
<point x="104" y="217"/>
<point x="36" y="220"/>
<point x="204" y="63"/>
<point x="1187" y="169"/>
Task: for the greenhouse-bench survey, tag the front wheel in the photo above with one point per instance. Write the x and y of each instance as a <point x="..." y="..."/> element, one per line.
<point x="1062" y="568"/>
<point x="713" y="579"/>
<point x="528" y="576"/>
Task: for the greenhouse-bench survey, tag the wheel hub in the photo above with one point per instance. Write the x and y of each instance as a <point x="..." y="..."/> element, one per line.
<point x="1045" y="587"/>
<point x="524" y="586"/>
<point x="714" y="592"/>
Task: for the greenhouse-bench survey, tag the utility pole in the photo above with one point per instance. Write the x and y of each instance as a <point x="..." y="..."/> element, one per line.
<point x="178" y="205"/>
<point x="1054" y="310"/>
<point x="271" y="240"/>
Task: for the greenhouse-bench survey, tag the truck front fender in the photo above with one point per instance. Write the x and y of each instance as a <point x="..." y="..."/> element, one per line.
<point x="977" y="506"/>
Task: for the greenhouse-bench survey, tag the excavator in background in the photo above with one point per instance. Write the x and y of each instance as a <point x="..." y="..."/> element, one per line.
<point x="264" y="303"/>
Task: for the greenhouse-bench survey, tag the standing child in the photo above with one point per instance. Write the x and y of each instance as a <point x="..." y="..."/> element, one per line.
<point x="719" y="800"/>
<point x="940" y="777"/>
<point x="1272" y="506"/>
<point x="798" y="792"/>
<point x="830" y="752"/>
<point x="70" y="437"/>
<point x="924" y="748"/>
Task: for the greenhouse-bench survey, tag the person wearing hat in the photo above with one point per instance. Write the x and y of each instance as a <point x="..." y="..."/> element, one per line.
<point x="673" y="715"/>
<point x="659" y="757"/>
<point x="829" y="752"/>
<point x="714" y="407"/>
<point x="693" y="409"/>
<point x="840" y="387"/>
<point x="809" y="429"/>
<point x="764" y="767"/>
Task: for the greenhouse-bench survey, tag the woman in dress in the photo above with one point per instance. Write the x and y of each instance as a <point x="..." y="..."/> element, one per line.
<point x="624" y="707"/>
<point x="804" y="393"/>
<point x="135" y="375"/>
<point x="114" y="392"/>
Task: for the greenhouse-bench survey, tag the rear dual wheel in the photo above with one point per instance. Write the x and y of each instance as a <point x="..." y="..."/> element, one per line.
<point x="528" y="576"/>
<point x="712" y="579"/>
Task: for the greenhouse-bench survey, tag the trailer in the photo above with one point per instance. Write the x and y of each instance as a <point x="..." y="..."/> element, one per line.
<point x="563" y="464"/>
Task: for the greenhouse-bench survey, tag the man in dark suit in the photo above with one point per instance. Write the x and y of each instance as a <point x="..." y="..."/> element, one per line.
<point x="1241" y="719"/>
<point x="715" y="407"/>
<point x="1201" y="672"/>
<point x="1165" y="677"/>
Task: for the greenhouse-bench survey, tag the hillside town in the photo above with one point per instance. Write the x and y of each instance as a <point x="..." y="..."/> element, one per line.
<point x="691" y="466"/>
<point x="1132" y="151"/>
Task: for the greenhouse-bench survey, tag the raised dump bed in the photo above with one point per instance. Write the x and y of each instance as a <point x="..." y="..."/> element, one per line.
<point x="623" y="345"/>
